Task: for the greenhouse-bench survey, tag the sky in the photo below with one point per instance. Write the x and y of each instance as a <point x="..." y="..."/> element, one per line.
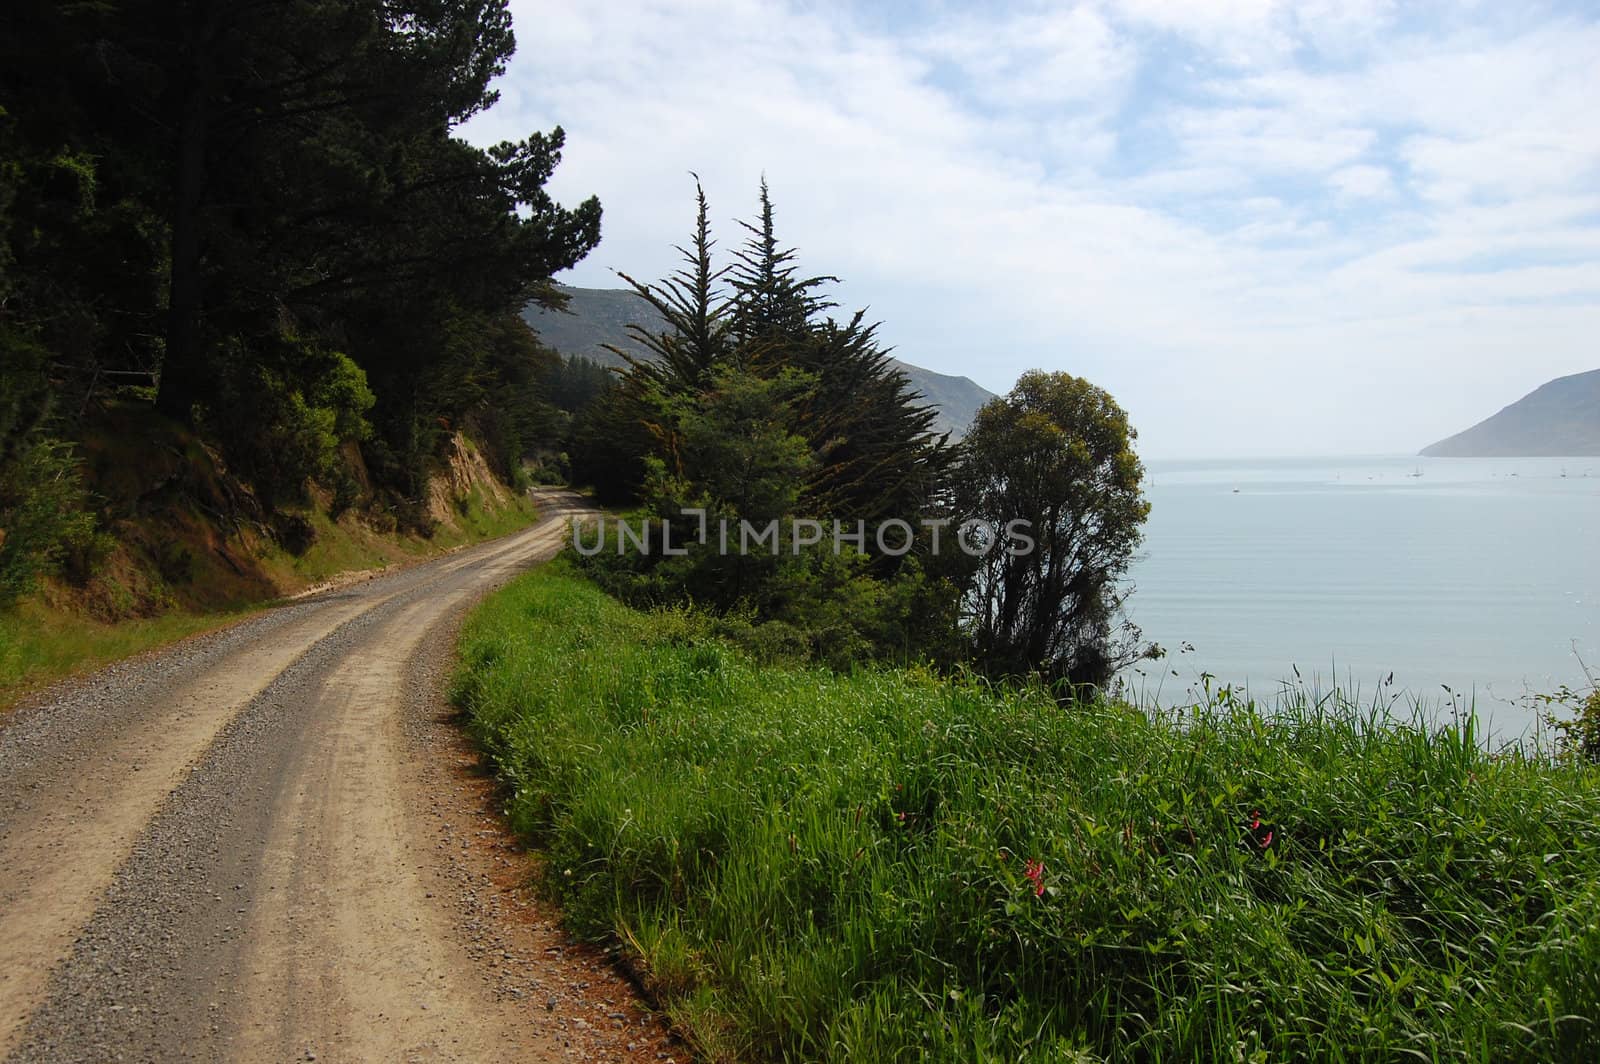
<point x="1267" y="228"/>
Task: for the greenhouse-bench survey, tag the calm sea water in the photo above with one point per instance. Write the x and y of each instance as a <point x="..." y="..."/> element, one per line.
<point x="1482" y="575"/>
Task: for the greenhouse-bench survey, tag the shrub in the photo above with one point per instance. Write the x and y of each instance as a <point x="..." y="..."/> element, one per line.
<point x="1580" y="734"/>
<point x="1573" y="716"/>
<point x="1586" y="729"/>
<point x="43" y="517"/>
<point x="282" y="418"/>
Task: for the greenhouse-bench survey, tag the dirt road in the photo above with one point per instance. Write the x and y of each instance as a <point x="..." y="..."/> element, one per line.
<point x="268" y="844"/>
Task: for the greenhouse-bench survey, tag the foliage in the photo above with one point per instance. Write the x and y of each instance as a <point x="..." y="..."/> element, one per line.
<point x="282" y="419"/>
<point x="753" y="408"/>
<point x="43" y="516"/>
<point x="571" y="392"/>
<point x="212" y="199"/>
<point x="1583" y="733"/>
<point x="731" y="444"/>
<point x="887" y="866"/>
<point x="876" y="454"/>
<point x="752" y="405"/>
<point x="1056" y="453"/>
<point x="772" y="304"/>
<point x="573" y="384"/>
<point x="1578" y="732"/>
<point x="44" y="513"/>
<point x="45" y="519"/>
<point x="25" y="397"/>
<point x="696" y="339"/>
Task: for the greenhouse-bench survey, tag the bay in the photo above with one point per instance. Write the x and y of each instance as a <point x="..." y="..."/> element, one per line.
<point x="1464" y="582"/>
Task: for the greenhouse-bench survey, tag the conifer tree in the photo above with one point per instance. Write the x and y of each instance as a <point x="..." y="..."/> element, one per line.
<point x="695" y="336"/>
<point x="877" y="454"/>
<point x="257" y="204"/>
<point x="771" y="305"/>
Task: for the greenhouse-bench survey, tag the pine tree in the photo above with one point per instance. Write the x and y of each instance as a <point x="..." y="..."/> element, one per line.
<point x="243" y="197"/>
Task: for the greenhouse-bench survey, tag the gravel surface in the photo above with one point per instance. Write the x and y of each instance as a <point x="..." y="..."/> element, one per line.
<point x="79" y="713"/>
<point x="271" y="843"/>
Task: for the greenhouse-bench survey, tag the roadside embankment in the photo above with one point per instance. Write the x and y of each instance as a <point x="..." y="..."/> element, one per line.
<point x="186" y="547"/>
<point x="885" y="865"/>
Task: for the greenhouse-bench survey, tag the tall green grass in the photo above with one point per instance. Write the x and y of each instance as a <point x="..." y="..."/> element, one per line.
<point x="889" y="866"/>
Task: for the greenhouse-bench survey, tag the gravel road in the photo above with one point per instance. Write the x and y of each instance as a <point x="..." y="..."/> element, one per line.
<point x="270" y="843"/>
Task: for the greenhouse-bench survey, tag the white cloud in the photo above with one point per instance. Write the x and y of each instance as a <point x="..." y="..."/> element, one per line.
<point x="1255" y="251"/>
<point x="1239" y="32"/>
<point x="1254" y="140"/>
<point x="1362" y="182"/>
<point x="1057" y="56"/>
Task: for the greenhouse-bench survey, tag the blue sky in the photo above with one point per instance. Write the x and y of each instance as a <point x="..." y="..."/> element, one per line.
<point x="1266" y="227"/>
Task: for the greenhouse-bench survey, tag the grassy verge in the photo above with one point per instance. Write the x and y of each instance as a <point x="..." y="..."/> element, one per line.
<point x="42" y="642"/>
<point x="479" y="520"/>
<point x="39" y="645"/>
<point x="347" y="546"/>
<point x="886" y="866"/>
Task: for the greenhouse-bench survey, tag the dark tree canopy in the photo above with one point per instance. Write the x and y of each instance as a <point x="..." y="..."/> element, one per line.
<point x="1057" y="453"/>
<point x="771" y="303"/>
<point x="262" y="210"/>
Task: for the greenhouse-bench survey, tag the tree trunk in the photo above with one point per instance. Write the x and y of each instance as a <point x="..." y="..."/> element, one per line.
<point x="182" y="365"/>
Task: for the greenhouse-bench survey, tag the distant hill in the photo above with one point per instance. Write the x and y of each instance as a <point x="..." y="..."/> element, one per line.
<point x="1559" y="418"/>
<point x="599" y="316"/>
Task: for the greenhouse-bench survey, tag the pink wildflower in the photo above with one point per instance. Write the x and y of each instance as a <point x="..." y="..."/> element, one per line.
<point x="1034" y="870"/>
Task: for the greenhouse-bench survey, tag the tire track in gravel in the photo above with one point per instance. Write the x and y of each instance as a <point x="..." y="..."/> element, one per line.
<point x="240" y="817"/>
<point x="83" y="773"/>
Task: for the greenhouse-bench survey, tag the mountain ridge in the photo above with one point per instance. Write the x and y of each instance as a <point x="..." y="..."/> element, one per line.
<point x="1559" y="418"/>
<point x="598" y="316"/>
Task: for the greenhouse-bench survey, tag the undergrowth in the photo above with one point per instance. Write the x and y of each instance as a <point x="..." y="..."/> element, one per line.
<point x="887" y="865"/>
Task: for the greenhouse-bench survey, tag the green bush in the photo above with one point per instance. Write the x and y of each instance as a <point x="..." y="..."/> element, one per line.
<point x="1573" y="717"/>
<point x="1586" y="732"/>
<point x="282" y="416"/>
<point x="45" y="522"/>
<point x="832" y="608"/>
<point x="1579" y="734"/>
<point x="43" y="518"/>
<point x="889" y="866"/>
